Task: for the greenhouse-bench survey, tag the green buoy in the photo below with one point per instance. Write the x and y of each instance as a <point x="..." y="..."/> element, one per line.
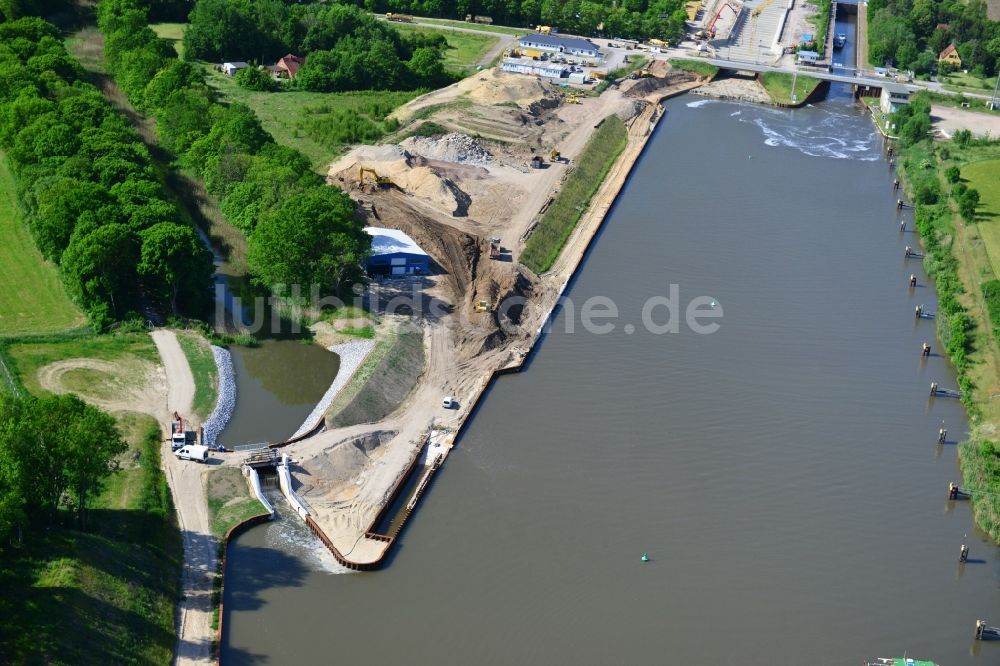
<point x="645" y="557"/>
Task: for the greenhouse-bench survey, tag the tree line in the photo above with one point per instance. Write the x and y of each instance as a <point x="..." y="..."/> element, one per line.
<point x="345" y="48"/>
<point x="55" y="451"/>
<point x="90" y="190"/>
<point x="909" y="34"/>
<point x="299" y="230"/>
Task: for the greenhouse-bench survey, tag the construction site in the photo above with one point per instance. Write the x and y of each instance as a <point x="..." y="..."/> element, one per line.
<point x="467" y="178"/>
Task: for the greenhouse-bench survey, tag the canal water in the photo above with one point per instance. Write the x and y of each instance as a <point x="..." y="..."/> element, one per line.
<point x="782" y="473"/>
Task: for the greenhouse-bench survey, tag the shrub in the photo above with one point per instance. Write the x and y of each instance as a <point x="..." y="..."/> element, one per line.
<point x="255" y="78"/>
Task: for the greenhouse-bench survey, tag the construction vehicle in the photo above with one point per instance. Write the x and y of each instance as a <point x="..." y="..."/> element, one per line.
<point x="641" y="74"/>
<point x="483" y="20"/>
<point x="659" y="42"/>
<point x="179" y="437"/>
<point x="544" y="29"/>
<point x="381" y="181"/>
<point x="555" y="156"/>
<point x="482" y="306"/>
<point x="401" y="18"/>
<point x="573" y="99"/>
<point x="537" y="162"/>
<point x="494" y="248"/>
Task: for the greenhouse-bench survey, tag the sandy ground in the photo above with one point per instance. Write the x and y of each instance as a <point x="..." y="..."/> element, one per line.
<point x="736" y="89"/>
<point x="134" y="385"/>
<point x="947" y="120"/>
<point x="194" y="631"/>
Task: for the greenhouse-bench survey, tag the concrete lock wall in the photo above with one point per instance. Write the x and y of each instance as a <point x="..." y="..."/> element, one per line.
<point x="254" y="480"/>
<point x="285" y="481"/>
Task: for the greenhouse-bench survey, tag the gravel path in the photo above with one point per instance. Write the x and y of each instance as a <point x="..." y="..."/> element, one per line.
<point x="226" y="402"/>
<point x="351" y="354"/>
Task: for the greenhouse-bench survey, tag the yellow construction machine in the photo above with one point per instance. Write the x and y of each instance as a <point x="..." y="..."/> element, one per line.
<point x="573" y="99"/>
<point x="381" y="181"/>
<point x="482" y="306"/>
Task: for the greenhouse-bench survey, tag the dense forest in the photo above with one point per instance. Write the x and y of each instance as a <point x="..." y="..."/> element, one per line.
<point x="54" y="452"/>
<point x="90" y="190"/>
<point x="273" y="21"/>
<point x="300" y="230"/>
<point x="909" y="34"/>
<point x="346" y="47"/>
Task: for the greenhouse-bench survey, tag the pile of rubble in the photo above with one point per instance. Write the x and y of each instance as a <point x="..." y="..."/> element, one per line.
<point x="453" y="147"/>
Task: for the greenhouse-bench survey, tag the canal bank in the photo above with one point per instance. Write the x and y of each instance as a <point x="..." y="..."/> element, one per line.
<point x="782" y="473"/>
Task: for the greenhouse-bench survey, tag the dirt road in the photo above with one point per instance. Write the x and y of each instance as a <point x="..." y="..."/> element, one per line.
<point x="194" y="630"/>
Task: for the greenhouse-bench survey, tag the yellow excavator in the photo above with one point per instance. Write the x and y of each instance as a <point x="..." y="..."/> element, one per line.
<point x="573" y="99"/>
<point x="555" y="156"/>
<point x="381" y="181"/>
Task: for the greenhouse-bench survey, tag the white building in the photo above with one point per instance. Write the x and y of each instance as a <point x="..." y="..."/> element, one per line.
<point x="893" y="97"/>
<point x="557" y="44"/>
<point x="230" y="68"/>
<point x="535" y="68"/>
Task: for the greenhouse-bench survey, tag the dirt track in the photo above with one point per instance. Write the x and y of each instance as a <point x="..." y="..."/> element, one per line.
<point x="194" y="630"/>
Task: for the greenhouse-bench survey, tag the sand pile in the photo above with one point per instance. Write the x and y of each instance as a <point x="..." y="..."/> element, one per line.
<point x="492" y="86"/>
<point x="410" y="173"/>
<point x="452" y="147"/>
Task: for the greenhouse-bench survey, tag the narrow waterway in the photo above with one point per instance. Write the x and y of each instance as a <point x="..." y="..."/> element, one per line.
<point x="782" y="473"/>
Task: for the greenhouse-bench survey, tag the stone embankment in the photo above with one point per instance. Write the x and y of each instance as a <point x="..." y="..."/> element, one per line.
<point x="352" y="355"/>
<point x="226" y="401"/>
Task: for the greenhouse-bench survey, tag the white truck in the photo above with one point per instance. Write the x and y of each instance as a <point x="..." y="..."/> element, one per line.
<point x="192" y="452"/>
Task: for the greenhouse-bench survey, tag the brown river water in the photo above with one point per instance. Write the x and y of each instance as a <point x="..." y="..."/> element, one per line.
<point x="782" y="473"/>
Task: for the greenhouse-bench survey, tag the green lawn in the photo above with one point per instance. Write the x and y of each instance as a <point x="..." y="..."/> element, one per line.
<point x="107" y="595"/>
<point x="229" y="500"/>
<point x="173" y="32"/>
<point x="202" y="363"/>
<point x="465" y="50"/>
<point x="507" y="30"/>
<point x="962" y="82"/>
<point x="699" y="68"/>
<point x="548" y="238"/>
<point x="32" y="299"/>
<point x="779" y="87"/>
<point x="313" y="122"/>
<point x="984" y="176"/>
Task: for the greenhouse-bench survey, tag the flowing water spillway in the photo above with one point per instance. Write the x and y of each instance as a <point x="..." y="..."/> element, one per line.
<point x="782" y="473"/>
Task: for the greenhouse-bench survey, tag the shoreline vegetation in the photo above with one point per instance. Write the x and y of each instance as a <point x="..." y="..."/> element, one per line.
<point x="961" y="256"/>
<point x="559" y="220"/>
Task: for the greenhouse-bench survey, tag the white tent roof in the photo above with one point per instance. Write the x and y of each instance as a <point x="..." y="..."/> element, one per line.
<point x="391" y="241"/>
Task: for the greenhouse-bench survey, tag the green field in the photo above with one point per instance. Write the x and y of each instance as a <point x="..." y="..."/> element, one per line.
<point x="779" y="87"/>
<point x="202" y="362"/>
<point x="107" y="595"/>
<point x="548" y="238"/>
<point x="984" y="176"/>
<point x="173" y="32"/>
<point x="507" y="30"/>
<point x="33" y="299"/>
<point x="128" y="351"/>
<point x="311" y="122"/>
<point x="465" y="50"/>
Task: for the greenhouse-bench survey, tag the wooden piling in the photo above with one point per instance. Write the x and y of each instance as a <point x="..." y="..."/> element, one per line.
<point x="942" y="436"/>
<point x="925" y="350"/>
<point x="918" y="311"/>
<point x="934" y="388"/>
<point x="963" y="553"/>
<point x="913" y="280"/>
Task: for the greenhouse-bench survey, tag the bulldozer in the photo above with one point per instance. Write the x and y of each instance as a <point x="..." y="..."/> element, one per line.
<point x="482" y="306"/>
<point x="573" y="99"/>
<point x="381" y="181"/>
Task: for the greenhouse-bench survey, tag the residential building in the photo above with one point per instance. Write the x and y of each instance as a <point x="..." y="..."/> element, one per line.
<point x="289" y="65"/>
<point x="541" y="68"/>
<point x="950" y="56"/>
<point x="230" y="68"/>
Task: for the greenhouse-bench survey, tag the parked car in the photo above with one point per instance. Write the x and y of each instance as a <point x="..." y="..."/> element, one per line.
<point x="192" y="452"/>
<point x="448" y="402"/>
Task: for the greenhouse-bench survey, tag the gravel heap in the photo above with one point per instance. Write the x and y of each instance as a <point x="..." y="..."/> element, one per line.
<point x="351" y="354"/>
<point x="449" y="148"/>
<point x="226" y="401"/>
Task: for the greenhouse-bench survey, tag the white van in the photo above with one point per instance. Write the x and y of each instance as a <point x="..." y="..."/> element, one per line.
<point x="193" y="452"/>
